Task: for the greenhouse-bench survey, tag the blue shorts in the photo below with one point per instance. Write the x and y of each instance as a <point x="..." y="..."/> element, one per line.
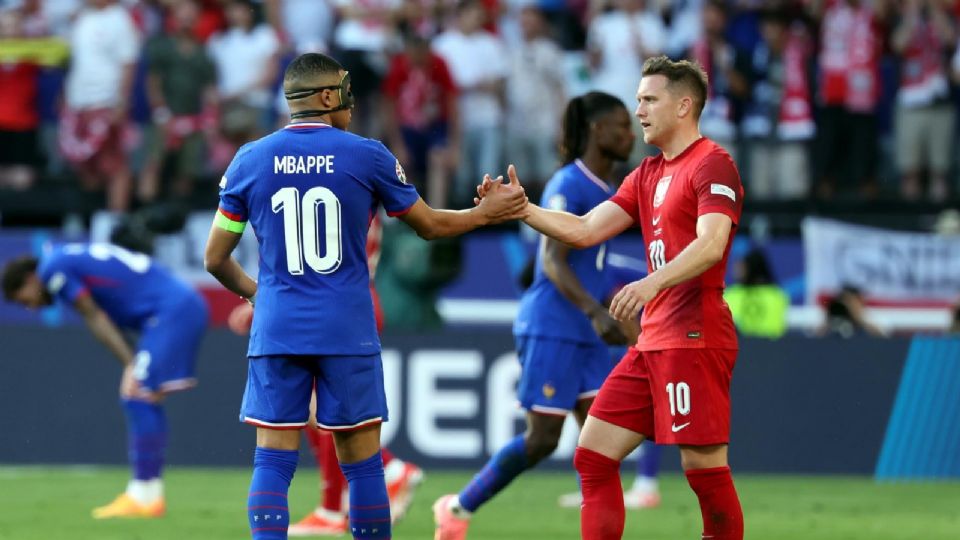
<point x="349" y="391"/>
<point x="556" y="374"/>
<point x="166" y="355"/>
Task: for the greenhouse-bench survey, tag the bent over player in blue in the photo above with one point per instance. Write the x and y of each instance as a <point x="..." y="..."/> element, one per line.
<point x="309" y="191"/>
<point x="562" y="328"/>
<point x="114" y="289"/>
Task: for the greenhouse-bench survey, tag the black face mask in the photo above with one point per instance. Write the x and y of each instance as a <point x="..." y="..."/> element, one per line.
<point x="343" y="90"/>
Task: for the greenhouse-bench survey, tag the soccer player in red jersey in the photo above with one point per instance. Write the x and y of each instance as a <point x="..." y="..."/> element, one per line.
<point x="674" y="384"/>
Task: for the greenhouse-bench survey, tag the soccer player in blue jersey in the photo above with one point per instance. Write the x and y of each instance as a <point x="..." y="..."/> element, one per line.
<point x="309" y="191"/>
<point x="113" y="290"/>
<point x="562" y="329"/>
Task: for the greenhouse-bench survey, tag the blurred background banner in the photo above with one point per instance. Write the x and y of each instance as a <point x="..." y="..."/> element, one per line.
<point x="801" y="405"/>
<point x="889" y="267"/>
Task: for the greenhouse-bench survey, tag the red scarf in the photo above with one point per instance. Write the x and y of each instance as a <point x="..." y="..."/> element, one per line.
<point x="796" y="111"/>
<point x="849" y="58"/>
<point x="922" y="79"/>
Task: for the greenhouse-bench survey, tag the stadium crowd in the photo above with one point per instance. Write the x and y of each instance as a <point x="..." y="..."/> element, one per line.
<point x="147" y="100"/>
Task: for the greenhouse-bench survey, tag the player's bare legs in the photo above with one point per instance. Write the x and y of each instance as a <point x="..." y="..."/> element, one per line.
<point x="362" y="464"/>
<point x="601" y="448"/>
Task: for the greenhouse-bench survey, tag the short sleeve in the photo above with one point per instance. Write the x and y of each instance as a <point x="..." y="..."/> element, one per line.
<point x="233" y="212"/>
<point x="127" y="44"/>
<point x="60" y="281"/>
<point x="718" y="188"/>
<point x="390" y="182"/>
<point x="560" y="195"/>
<point x="628" y="196"/>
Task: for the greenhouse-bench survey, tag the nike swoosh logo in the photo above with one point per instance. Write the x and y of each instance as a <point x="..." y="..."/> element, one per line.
<point x="675" y="428"/>
<point x="656" y="220"/>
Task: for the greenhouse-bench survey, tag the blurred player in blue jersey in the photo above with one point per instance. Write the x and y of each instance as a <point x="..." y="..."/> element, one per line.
<point x="309" y="191"/>
<point x="113" y="290"/>
<point x="562" y="329"/>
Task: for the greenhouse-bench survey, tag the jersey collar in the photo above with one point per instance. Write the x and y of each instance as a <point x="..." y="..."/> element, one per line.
<point x="306" y="125"/>
<point x="592" y="177"/>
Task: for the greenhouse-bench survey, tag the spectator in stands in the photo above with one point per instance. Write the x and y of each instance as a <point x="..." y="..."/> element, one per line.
<point x="618" y="42"/>
<point x="478" y="62"/>
<point x="104" y="48"/>
<point x="778" y="121"/>
<point x="421" y="118"/>
<point x="759" y="306"/>
<point x="361" y="38"/>
<point x="535" y="99"/>
<point x="849" y="63"/>
<point x="20" y="62"/>
<point x="846" y="316"/>
<point x="925" y="118"/>
<point x="713" y="51"/>
<point x="247" y="59"/>
<point x="308" y="23"/>
<point x="181" y="88"/>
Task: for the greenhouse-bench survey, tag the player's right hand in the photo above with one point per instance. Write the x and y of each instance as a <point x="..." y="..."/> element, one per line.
<point x="607" y="328"/>
<point x="503" y="202"/>
<point x="241" y="319"/>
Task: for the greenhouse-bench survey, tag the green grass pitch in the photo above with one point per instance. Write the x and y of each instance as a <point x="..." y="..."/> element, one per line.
<point x="54" y="503"/>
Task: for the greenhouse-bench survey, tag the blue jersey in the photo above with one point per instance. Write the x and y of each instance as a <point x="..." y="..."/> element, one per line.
<point x="544" y="312"/>
<point x="129" y="287"/>
<point x="310" y="191"/>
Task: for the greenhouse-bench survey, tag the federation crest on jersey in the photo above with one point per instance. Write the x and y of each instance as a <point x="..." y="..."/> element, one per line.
<point x="661" y="192"/>
<point x="549" y="391"/>
<point x="401" y="176"/>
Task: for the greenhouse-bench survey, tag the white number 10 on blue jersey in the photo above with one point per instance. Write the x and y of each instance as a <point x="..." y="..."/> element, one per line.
<point x="300" y="231"/>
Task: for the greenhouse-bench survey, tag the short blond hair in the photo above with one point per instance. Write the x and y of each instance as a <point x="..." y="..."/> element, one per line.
<point x="683" y="73"/>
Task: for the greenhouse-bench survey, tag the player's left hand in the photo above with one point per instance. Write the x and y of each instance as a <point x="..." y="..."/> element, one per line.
<point x="628" y="302"/>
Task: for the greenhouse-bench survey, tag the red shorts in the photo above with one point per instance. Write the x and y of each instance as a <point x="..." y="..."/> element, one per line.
<point x="674" y="396"/>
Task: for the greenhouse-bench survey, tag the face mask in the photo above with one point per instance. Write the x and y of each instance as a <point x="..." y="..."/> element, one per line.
<point x="343" y="90"/>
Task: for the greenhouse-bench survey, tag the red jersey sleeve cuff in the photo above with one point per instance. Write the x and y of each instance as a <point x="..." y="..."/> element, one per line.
<point x="629" y="208"/>
<point x="719" y="209"/>
<point x="399" y="213"/>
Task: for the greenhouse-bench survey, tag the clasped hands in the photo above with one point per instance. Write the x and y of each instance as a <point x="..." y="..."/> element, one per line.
<point x="501" y="202"/>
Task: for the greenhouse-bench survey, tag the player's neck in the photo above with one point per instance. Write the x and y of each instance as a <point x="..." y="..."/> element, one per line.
<point x="312" y="119"/>
<point x="599" y="164"/>
<point x="681" y="140"/>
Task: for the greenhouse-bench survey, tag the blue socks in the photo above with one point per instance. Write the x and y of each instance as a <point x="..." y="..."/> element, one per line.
<point x="146" y="438"/>
<point x="369" y="504"/>
<point x="267" y="503"/>
<point x="503" y="467"/>
<point x="648" y="460"/>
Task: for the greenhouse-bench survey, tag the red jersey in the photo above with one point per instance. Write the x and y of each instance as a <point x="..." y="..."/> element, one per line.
<point x="666" y="197"/>
<point x="420" y="94"/>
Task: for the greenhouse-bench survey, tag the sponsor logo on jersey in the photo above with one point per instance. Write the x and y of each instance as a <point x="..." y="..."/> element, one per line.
<point x="726" y="191"/>
<point x="557" y="202"/>
<point x="401" y="176"/>
<point x="223" y="182"/>
<point x="675" y="428"/>
<point x="693" y="335"/>
<point x="56" y="282"/>
<point x="661" y="192"/>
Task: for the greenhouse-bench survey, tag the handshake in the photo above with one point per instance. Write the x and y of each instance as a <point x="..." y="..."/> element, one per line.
<point x="499" y="202"/>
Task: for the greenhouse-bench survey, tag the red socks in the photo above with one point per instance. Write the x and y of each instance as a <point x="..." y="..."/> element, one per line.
<point x="719" y="504"/>
<point x="602" y="514"/>
<point x="324" y="451"/>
